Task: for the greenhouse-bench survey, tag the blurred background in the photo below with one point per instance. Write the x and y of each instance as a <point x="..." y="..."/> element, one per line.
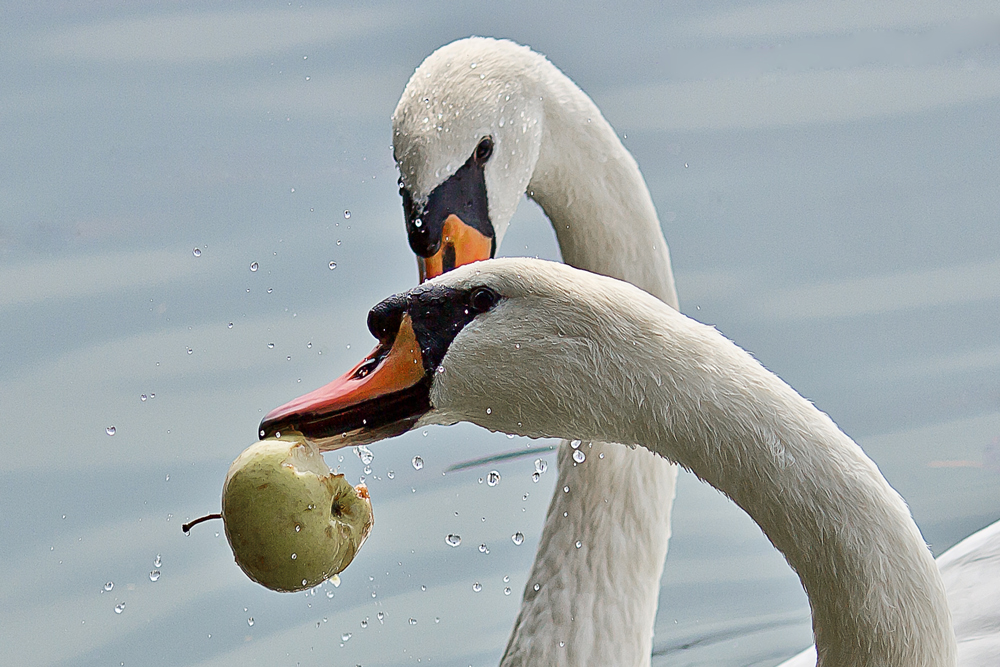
<point x="198" y="206"/>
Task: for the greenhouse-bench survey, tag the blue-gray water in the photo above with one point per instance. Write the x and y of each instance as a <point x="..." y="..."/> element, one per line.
<point x="828" y="178"/>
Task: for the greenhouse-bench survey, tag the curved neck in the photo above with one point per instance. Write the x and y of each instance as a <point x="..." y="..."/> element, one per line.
<point x="591" y="189"/>
<point x="875" y="592"/>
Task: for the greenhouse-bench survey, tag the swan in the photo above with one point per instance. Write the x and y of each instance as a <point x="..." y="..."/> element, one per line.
<point x="480" y="123"/>
<point x="622" y="366"/>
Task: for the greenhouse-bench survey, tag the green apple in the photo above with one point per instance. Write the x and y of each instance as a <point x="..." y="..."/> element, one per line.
<point x="291" y="522"/>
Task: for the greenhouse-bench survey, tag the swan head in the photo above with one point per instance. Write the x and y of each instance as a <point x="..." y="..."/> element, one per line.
<point x="466" y="136"/>
<point x="507" y="344"/>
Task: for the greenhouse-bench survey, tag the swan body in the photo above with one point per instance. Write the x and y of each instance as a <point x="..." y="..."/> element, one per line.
<point x="550" y="140"/>
<point x="621" y="366"/>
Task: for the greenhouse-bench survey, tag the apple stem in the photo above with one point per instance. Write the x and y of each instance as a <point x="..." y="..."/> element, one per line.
<point x="187" y="527"/>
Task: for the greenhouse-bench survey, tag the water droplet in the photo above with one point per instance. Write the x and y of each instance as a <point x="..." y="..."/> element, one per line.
<point x="477" y="587"/>
<point x="483" y="549"/>
<point x="536" y="587"/>
<point x="143" y="397"/>
<point x="109" y="586"/>
<point x="489" y="411"/>
<point x="364" y="454"/>
<point x="601" y="456"/>
<point x="158" y="561"/>
<point x="493" y="478"/>
<point x="579" y="456"/>
<point x="541" y="466"/>
<point x="579" y="544"/>
<point x="412" y="621"/>
<point x="506" y="578"/>
<point x="575" y="444"/>
<point x="253" y="266"/>
<point x="390" y="475"/>
<point x="346" y="636"/>
<point x="517" y="538"/>
<point x="294" y="556"/>
<point x="335" y="580"/>
<point x="333" y="265"/>
<point x="120" y="607"/>
<point x="565" y="489"/>
<point x="230" y="325"/>
<point x="250" y="621"/>
<point x="270" y="346"/>
<point x="347" y="215"/>
<point x="380" y="616"/>
<point x="506" y="590"/>
<point x="453" y="540"/>
<point x="111" y="430"/>
<point x="196" y="252"/>
<point x="524" y="497"/>
<point x="329" y="594"/>
<point x="338" y="241"/>
<point x="367" y="470"/>
<point x="298" y="528"/>
<point x="364" y="622"/>
<point x="154" y="575"/>
<point x="418" y="462"/>
<point x="535" y="477"/>
<point x="190" y="350"/>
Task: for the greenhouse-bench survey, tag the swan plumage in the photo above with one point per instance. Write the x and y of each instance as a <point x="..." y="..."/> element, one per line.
<point x="648" y="376"/>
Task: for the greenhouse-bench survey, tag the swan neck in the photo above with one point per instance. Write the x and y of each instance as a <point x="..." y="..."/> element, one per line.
<point x="630" y="369"/>
<point x="592" y="191"/>
<point x="876" y="595"/>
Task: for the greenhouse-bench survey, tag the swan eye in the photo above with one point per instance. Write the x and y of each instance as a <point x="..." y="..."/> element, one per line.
<point x="482" y="299"/>
<point x="484" y="150"/>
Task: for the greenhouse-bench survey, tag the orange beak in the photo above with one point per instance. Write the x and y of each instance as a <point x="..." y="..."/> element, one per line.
<point x="460" y="245"/>
<point x="382" y="396"/>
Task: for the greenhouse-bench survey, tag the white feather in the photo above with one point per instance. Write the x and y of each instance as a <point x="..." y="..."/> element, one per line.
<point x="620" y="365"/>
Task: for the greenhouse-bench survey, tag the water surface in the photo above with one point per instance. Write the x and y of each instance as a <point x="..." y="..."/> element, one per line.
<point x="827" y="178"/>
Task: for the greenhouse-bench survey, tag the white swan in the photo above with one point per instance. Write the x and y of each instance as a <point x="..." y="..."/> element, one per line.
<point x="481" y="122"/>
<point x="619" y="365"/>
